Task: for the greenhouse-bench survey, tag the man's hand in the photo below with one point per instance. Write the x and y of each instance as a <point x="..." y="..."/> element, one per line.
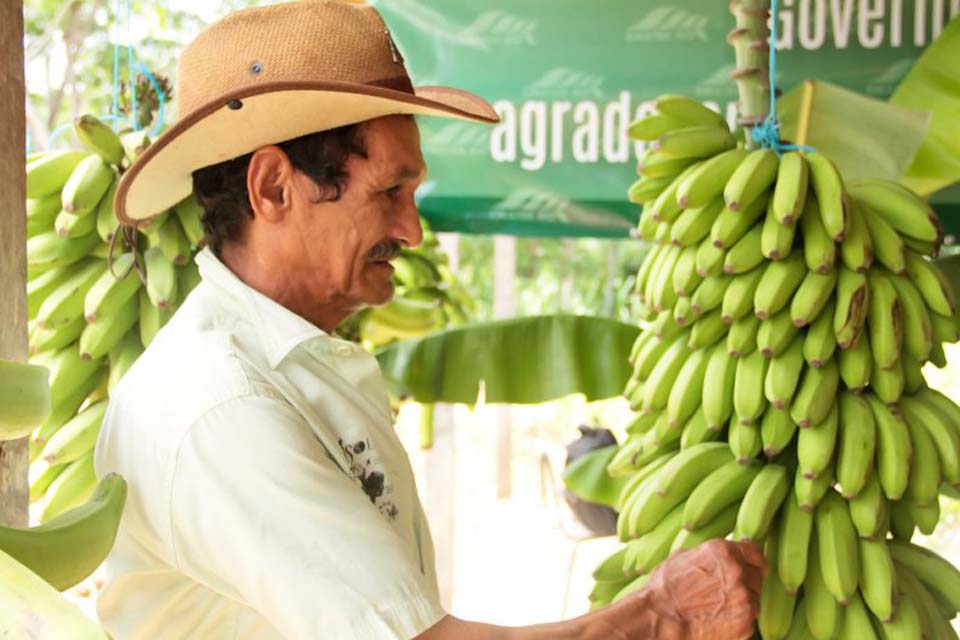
<point x="712" y="591"/>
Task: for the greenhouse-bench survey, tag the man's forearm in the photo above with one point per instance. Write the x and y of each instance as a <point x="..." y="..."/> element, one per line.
<point x="630" y="619"/>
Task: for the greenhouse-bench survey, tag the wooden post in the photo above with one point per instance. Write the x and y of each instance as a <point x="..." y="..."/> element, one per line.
<point x="14" y="498"/>
<point x="504" y="306"/>
<point x="441" y="497"/>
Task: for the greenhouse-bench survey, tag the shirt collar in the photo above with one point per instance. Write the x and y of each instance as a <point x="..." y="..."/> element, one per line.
<point x="280" y="330"/>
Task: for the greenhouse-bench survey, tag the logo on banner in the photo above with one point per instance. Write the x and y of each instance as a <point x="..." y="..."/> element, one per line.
<point x="566" y="82"/>
<point x="717" y="83"/>
<point x="885" y="81"/>
<point x="667" y="23"/>
<point x="456" y="138"/>
<point x="502" y="28"/>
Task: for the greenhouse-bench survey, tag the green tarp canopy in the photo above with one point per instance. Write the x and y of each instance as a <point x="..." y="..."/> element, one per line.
<point x="567" y="76"/>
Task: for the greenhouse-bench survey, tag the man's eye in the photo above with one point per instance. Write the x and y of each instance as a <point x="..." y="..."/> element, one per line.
<point x="394" y="190"/>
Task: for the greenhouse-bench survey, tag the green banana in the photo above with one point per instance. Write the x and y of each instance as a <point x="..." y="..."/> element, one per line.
<point x="688" y="111"/>
<point x="812" y="296"/>
<point x="687" y="391"/>
<point x="161" y="278"/>
<point x="746" y="253"/>
<point x="41" y="476"/>
<point x="853" y="302"/>
<point x="901" y="523"/>
<point x="884" y="321"/>
<point x="888" y="246"/>
<point x="685" y="278"/>
<point x="650" y="355"/>
<point x="749" y="401"/>
<point x="934" y="624"/>
<point x="647" y="226"/>
<point x="652" y="126"/>
<point x="44" y="338"/>
<point x="796" y="526"/>
<point x="790" y="191"/>
<point x="761" y="502"/>
<point x="49" y="250"/>
<point x="190" y="215"/>
<point x="776" y="240"/>
<point x="653" y="547"/>
<point x="76" y="437"/>
<point x="43" y="211"/>
<point x="647" y="189"/>
<point x="697" y="431"/>
<point x="683" y="313"/>
<point x="66" y="403"/>
<point x="887" y="384"/>
<point x="944" y="328"/>
<point x="829" y="189"/>
<point x="856" y="365"/>
<point x="924" y="484"/>
<point x="742" y="337"/>
<point x="649" y="265"/>
<point x="629" y="525"/>
<point x="738" y="298"/>
<point x="48" y="174"/>
<point x="100" y="337"/>
<point x="816" y="445"/>
<point x="134" y="143"/>
<point x="694" y="142"/>
<point x="913" y="381"/>
<point x="780" y="280"/>
<point x="856" y="623"/>
<point x="709" y="295"/>
<point x="693" y="226"/>
<point x="744" y="440"/>
<point x="612" y="568"/>
<point x="776" y="431"/>
<point x="72" y="488"/>
<point x="819" y="250"/>
<point x="25" y="399"/>
<point x="869" y="509"/>
<point x="98" y="138"/>
<point x="720" y="527"/>
<point x="654" y="165"/>
<point x="877" y="578"/>
<point x="73" y="225"/>
<point x="709" y="259"/>
<point x="777" y="603"/>
<point x="900" y="207"/>
<point x="708" y="180"/>
<point x="917" y="324"/>
<point x="656" y="389"/>
<point x="717" y="396"/>
<point x="65" y="303"/>
<point x="932" y="284"/>
<point x="752" y="177"/>
<point x="721" y="488"/>
<point x="638" y="478"/>
<point x="820" y="342"/>
<point x="172" y="240"/>
<point x="856" y="444"/>
<point x="824" y="614"/>
<point x="66" y="549"/>
<point x="707" y="330"/>
<point x="935" y="572"/>
<point x="122" y="357"/>
<point x="938" y="356"/>
<point x="798" y="627"/>
<point x="109" y="292"/>
<point x="731" y="225"/>
<point x="856" y="249"/>
<point x="783" y="375"/>
<point x="810" y="491"/>
<point x="776" y="333"/>
<point x="837" y="545"/>
<point x="106" y="220"/>
<point x="942" y="422"/>
<point x="87" y="184"/>
<point x="894" y="450"/>
<point x="906" y="624"/>
<point x="660" y="293"/>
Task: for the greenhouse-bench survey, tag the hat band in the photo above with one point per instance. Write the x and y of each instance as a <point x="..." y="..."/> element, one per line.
<point x="399" y="83"/>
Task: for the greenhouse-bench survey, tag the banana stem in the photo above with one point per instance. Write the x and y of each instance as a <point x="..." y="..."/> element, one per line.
<point x="750" y="40"/>
<point x="426" y="426"/>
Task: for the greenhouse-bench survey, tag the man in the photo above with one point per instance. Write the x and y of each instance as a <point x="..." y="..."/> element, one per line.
<point x="268" y="494"/>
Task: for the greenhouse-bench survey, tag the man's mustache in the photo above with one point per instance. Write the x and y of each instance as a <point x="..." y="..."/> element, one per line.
<point x="384" y="252"/>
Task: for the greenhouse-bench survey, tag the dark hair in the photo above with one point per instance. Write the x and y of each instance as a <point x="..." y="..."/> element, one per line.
<point x="221" y="189"/>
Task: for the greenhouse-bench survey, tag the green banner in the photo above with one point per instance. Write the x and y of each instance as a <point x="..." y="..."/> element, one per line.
<point x="567" y="76"/>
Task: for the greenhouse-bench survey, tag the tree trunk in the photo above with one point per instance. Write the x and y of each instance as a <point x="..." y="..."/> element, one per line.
<point x="14" y="497"/>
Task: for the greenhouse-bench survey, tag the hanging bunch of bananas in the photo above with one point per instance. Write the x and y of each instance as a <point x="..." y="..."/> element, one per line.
<point x="427" y="297"/>
<point x="90" y="318"/>
<point x="787" y="316"/>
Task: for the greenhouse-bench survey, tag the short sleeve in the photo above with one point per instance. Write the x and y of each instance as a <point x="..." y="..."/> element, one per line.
<point x="260" y="513"/>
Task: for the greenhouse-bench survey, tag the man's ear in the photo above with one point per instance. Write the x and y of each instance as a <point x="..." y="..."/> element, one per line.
<point x="270" y="183"/>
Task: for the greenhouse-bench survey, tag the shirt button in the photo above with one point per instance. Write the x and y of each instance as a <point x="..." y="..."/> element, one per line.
<point x="344" y="351"/>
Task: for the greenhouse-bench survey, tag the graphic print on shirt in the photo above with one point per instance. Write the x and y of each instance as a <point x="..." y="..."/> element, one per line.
<point x="373" y="482"/>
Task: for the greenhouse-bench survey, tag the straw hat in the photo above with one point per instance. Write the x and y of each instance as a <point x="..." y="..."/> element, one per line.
<point x="268" y="74"/>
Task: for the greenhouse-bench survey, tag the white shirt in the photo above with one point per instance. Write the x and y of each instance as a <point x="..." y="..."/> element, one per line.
<point x="268" y="494"/>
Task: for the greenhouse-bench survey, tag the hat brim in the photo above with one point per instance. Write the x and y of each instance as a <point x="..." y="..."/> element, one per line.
<point x="161" y="177"/>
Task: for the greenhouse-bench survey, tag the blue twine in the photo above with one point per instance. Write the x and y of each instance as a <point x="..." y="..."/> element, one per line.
<point x="767" y="133"/>
<point x="133" y="80"/>
<point x="116" y="67"/>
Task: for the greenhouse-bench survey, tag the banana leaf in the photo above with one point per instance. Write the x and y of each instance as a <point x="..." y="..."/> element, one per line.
<point x="519" y="361"/>
<point x="934" y="83"/>
<point x="587" y="477"/>
<point x="863" y="136"/>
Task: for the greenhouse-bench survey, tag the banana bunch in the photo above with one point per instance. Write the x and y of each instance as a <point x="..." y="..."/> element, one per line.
<point x="428" y="297"/>
<point x="89" y="317"/>
<point x="786" y="316"/>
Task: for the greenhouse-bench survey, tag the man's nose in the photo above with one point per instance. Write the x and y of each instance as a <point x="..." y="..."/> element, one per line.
<point x="408" y="228"/>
